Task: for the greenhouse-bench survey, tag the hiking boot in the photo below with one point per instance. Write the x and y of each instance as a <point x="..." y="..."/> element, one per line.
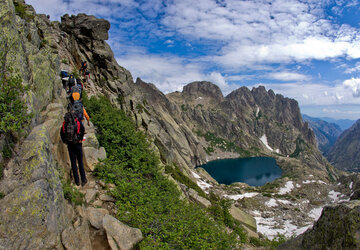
<point x="77" y="183"/>
<point x="83" y="183"/>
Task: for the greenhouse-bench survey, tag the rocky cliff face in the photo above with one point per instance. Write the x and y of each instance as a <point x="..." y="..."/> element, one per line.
<point x="326" y="133"/>
<point x="344" y="154"/>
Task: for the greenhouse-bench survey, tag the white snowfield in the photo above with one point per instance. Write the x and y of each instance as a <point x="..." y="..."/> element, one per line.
<point x="263" y="139"/>
<point x="336" y="196"/>
<point x="288" y="187"/>
<point x="271" y="203"/>
<point x="196" y="175"/>
<point x="202" y="184"/>
<point x="271" y="228"/>
<point x="241" y="196"/>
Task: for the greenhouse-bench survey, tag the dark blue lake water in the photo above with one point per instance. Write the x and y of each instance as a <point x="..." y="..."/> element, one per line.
<point x="255" y="171"/>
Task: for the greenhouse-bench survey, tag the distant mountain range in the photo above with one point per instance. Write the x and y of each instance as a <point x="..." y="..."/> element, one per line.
<point x="345" y="153"/>
<point x="342" y="123"/>
<point x="326" y="132"/>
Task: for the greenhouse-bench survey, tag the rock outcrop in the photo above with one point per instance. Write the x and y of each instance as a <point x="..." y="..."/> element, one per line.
<point x="120" y="236"/>
<point x="345" y="154"/>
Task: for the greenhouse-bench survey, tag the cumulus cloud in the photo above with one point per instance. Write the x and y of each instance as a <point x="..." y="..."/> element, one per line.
<point x="314" y="93"/>
<point x="170" y="73"/>
<point x="354" y="85"/>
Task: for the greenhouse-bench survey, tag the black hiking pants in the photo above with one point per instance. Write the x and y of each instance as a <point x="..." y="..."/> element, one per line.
<point x="75" y="153"/>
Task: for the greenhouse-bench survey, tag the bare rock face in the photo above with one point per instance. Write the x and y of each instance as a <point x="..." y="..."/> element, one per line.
<point x="33" y="205"/>
<point x="206" y="91"/>
<point x="85" y="26"/>
<point x="120" y="236"/>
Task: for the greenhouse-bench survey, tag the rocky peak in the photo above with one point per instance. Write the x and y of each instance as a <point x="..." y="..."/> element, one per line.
<point x="202" y="90"/>
<point x="263" y="97"/>
<point x="84" y="25"/>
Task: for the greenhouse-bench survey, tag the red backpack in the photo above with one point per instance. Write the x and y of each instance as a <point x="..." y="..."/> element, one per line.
<point x="71" y="128"/>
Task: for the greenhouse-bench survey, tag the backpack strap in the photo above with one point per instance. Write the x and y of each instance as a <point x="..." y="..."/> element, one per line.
<point x="78" y="125"/>
<point x="63" y="127"/>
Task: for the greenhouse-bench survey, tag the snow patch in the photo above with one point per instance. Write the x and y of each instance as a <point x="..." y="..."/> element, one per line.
<point x="313" y="181"/>
<point x="263" y="139"/>
<point x="351" y="185"/>
<point x="241" y="196"/>
<point x="315" y="213"/>
<point x="284" y="201"/>
<point x="256" y="213"/>
<point x="271" y="203"/>
<point x="195" y="175"/>
<point x="199" y="98"/>
<point x="334" y="196"/>
<point x="203" y="185"/>
<point x="288" y="187"/>
<point x="271" y="228"/>
<point x="297" y="185"/>
<point x="257" y="111"/>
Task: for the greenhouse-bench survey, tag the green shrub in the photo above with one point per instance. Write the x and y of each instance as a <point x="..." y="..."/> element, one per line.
<point x="220" y="212"/>
<point x="72" y="194"/>
<point x="7" y="150"/>
<point x="20" y="9"/>
<point x="64" y="61"/>
<point x="14" y="115"/>
<point x="146" y="199"/>
<point x="2" y="195"/>
<point x="272" y="244"/>
<point x="176" y="173"/>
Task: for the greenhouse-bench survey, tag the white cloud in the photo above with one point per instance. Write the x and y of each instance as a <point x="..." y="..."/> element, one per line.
<point x="354" y="85"/>
<point x="314" y="93"/>
<point x="352" y="70"/>
<point x="287" y="76"/>
<point x="170" y="73"/>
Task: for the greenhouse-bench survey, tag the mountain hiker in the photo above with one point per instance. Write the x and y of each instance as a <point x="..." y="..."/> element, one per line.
<point x="71" y="82"/>
<point x="76" y="104"/>
<point x="83" y="68"/>
<point x="72" y="133"/>
<point x="87" y="75"/>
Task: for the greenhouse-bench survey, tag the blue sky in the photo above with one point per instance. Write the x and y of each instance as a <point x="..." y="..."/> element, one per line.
<point x="307" y="50"/>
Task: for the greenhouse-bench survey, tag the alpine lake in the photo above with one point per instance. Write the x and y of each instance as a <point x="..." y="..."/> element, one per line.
<point x="255" y="171"/>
